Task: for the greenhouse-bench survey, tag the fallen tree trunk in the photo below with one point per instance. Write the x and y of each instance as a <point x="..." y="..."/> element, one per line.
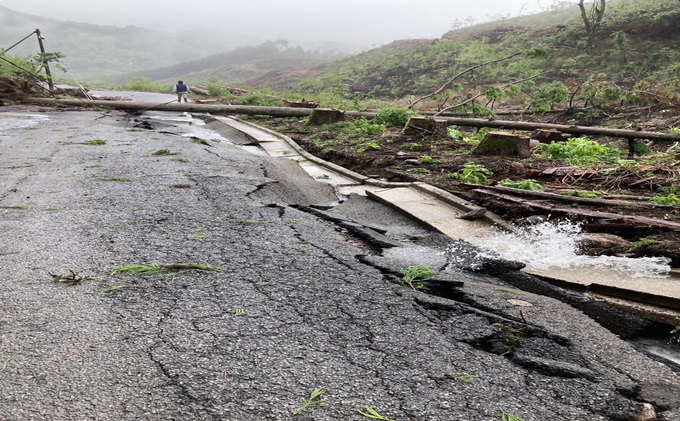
<point x="632" y="220"/>
<point x="191" y="107"/>
<point x="575" y="199"/>
<point x="295" y="112"/>
<point x="597" y="131"/>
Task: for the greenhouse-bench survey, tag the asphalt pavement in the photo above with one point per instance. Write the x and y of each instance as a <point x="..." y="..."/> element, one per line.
<point x="275" y="286"/>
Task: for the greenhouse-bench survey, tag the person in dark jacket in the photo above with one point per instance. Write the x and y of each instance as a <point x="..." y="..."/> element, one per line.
<point x="181" y="89"/>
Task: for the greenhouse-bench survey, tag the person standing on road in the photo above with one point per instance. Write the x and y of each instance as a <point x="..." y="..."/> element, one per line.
<point x="181" y="89"/>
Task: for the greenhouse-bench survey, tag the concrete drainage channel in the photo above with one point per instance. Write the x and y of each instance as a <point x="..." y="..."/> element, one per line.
<point x="441" y="211"/>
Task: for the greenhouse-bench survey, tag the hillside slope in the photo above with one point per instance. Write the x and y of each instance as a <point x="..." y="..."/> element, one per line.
<point x="636" y="59"/>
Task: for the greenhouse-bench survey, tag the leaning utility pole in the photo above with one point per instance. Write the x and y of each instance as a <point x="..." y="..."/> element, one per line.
<point x="50" y="84"/>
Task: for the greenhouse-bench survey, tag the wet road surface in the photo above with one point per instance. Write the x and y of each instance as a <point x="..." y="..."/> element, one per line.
<point x="298" y="301"/>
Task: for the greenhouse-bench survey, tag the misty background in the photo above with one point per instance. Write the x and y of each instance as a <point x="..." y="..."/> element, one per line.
<point x="356" y="24"/>
<point x="110" y="42"/>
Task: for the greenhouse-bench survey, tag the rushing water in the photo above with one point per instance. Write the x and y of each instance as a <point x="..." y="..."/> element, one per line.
<point x="551" y="246"/>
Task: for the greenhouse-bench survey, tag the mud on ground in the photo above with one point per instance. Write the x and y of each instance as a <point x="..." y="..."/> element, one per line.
<point x="399" y="158"/>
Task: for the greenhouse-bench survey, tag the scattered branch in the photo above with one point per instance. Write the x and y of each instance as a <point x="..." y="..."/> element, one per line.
<point x="450" y="81"/>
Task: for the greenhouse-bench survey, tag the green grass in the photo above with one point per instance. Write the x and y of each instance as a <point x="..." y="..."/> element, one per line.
<point x="314" y="400"/>
<point x="466" y="378"/>
<point x="413" y="276"/>
<point x="507" y="417"/>
<point x="171" y="269"/>
<point x="371" y="413"/>
<point x="19" y="207"/>
<point x="5" y="364"/>
<point x="253" y="222"/>
<point x="95" y="142"/>
<point x="509" y="291"/>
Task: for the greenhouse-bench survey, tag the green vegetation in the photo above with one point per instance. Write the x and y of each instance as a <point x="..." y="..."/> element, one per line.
<point x="71" y="278"/>
<point x="642" y="242"/>
<point x="580" y="151"/>
<point x="473" y="174"/>
<point x="414" y="276"/>
<point x="507" y="336"/>
<point x="393" y="117"/>
<point x="521" y="184"/>
<point x="466" y="378"/>
<point x="669" y="199"/>
<point x="144" y="84"/>
<point x="314" y="400"/>
<point x="172" y="269"/>
<point x="507" y="417"/>
<point x="18" y="207"/>
<point x="95" y="142"/>
<point x="417" y="171"/>
<point x="253" y="222"/>
<point x="5" y="364"/>
<point x="116" y="179"/>
<point x="579" y="193"/>
<point x="371" y="413"/>
<point x="509" y="291"/>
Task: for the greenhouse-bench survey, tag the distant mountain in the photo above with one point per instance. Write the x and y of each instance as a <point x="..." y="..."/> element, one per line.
<point x="100" y="53"/>
<point x="238" y="66"/>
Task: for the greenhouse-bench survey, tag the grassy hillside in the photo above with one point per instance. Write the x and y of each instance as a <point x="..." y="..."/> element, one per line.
<point x="636" y="59"/>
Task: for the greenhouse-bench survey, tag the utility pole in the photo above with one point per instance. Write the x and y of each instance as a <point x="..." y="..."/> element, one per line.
<point x="50" y="84"/>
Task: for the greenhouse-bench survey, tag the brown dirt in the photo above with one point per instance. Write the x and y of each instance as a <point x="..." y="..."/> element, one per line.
<point x="396" y="160"/>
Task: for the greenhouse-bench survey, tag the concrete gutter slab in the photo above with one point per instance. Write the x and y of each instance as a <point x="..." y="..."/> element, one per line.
<point x="433" y="213"/>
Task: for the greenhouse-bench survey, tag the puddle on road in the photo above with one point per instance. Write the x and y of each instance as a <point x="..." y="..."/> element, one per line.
<point x="10" y="121"/>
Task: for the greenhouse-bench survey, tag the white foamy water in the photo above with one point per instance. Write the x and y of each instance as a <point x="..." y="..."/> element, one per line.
<point x="547" y="246"/>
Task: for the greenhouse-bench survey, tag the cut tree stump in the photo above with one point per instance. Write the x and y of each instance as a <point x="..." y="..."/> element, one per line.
<point x="426" y="125"/>
<point x="552" y="135"/>
<point x="503" y="143"/>
<point x="301" y="104"/>
<point x="321" y="116"/>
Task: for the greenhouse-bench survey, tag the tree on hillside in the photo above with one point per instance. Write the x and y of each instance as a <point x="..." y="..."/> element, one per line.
<point x="592" y="19"/>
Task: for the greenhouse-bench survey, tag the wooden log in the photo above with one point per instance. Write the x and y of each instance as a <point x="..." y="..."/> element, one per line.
<point x="292" y="112"/>
<point x="632" y="220"/>
<point x="426" y="125"/>
<point x="573" y="199"/>
<point x="200" y="91"/>
<point x="581" y="130"/>
<point x="503" y="143"/>
<point x="322" y="116"/>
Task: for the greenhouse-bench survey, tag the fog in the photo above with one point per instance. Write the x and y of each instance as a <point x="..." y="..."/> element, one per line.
<point x="364" y="22"/>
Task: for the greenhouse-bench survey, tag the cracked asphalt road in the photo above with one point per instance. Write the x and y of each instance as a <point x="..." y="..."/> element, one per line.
<point x="301" y="302"/>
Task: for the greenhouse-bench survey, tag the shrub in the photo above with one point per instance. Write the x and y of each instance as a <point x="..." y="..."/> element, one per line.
<point x="393" y="117"/>
<point x="521" y="184"/>
<point x="580" y="151"/>
<point x="473" y="174"/>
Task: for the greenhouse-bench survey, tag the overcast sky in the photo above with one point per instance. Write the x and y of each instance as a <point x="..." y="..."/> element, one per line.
<point x="374" y="21"/>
